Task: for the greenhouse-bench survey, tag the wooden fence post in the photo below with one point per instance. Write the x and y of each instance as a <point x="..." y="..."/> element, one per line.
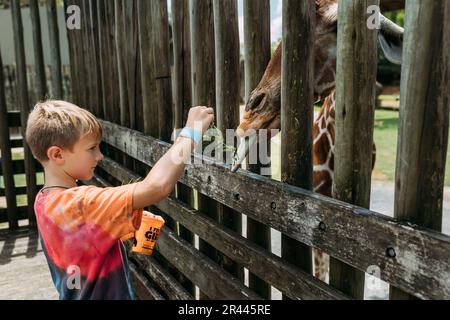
<point x="6" y="158"/>
<point x="297" y="94"/>
<point x="55" y="50"/>
<point x="41" y="79"/>
<point x="257" y="56"/>
<point x="203" y="88"/>
<point x="160" y="23"/>
<point x="355" y="107"/>
<point x="424" y="112"/>
<point x="24" y="105"/>
<point x="182" y="99"/>
<point x="227" y="100"/>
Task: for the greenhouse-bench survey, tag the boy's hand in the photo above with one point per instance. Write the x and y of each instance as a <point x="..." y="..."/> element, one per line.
<point x="200" y="118"/>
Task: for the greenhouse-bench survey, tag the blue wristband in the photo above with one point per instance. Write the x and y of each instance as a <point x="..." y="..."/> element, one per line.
<point x="191" y="133"/>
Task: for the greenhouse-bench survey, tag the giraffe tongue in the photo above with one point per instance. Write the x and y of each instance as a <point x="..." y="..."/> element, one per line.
<point x="243" y="150"/>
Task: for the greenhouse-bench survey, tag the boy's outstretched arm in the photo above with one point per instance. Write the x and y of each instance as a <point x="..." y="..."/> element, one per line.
<point x="161" y="180"/>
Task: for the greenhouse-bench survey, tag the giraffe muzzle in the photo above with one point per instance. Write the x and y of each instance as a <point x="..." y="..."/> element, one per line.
<point x="243" y="150"/>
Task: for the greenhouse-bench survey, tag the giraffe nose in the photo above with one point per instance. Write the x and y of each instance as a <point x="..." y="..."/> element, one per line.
<point x="254" y="101"/>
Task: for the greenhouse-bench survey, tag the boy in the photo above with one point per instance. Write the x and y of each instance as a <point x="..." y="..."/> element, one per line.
<point x="81" y="227"/>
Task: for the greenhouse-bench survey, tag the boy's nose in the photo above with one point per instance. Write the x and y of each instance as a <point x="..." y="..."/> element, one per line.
<point x="101" y="157"/>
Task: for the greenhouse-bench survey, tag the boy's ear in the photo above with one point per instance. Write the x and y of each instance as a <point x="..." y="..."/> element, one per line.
<point x="55" y="154"/>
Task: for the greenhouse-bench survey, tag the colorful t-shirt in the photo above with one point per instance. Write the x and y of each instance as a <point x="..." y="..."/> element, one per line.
<point x="80" y="231"/>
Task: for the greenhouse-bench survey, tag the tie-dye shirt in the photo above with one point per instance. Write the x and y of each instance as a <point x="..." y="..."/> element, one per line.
<point x="81" y="230"/>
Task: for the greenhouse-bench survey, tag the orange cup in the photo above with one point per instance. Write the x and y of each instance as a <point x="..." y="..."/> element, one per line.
<point x="147" y="235"/>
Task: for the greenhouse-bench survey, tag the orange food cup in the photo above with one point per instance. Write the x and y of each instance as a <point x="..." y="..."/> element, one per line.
<point x="147" y="235"/>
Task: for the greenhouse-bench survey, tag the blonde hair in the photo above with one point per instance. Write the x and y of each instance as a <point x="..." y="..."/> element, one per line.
<point x="58" y="123"/>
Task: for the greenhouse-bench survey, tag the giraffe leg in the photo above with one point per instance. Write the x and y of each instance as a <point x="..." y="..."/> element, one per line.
<point x="321" y="265"/>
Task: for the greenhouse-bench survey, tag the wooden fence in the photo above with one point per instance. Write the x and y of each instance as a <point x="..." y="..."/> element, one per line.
<point x="121" y="71"/>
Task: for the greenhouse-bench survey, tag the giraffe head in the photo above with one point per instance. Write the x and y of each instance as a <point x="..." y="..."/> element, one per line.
<point x="263" y="108"/>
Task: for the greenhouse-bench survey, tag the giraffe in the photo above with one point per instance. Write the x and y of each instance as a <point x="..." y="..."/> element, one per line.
<point x="263" y="108"/>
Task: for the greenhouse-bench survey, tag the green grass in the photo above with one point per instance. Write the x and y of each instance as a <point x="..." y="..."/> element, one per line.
<point x="385" y="136"/>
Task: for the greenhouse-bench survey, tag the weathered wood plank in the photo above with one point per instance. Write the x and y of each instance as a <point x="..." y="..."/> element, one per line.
<point x="189" y="260"/>
<point x="21" y="213"/>
<point x="17" y="191"/>
<point x="297" y="94"/>
<point x="14" y="119"/>
<point x="356" y="71"/>
<point x="6" y="157"/>
<point x="357" y="236"/>
<point x="424" y="121"/>
<point x="181" y="77"/>
<point x="227" y="100"/>
<point x="143" y="288"/>
<point x="160" y="29"/>
<point x="203" y="86"/>
<point x="18" y="166"/>
<point x="150" y="108"/>
<point x="164" y="280"/>
<point x="24" y="105"/>
<point x="267" y="266"/>
<point x="41" y="79"/>
<point x="257" y="55"/>
<point x="182" y="97"/>
<point x="55" y="49"/>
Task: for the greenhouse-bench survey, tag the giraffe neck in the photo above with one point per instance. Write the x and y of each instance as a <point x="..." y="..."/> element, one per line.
<point x="324" y="139"/>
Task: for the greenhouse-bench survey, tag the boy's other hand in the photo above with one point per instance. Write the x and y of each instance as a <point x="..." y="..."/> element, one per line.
<point x="200" y="118"/>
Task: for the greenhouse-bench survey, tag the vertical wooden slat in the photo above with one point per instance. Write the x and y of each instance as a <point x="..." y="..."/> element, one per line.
<point x="104" y="57"/>
<point x="182" y="93"/>
<point x="41" y="87"/>
<point x="85" y="63"/>
<point x="182" y="100"/>
<point x="121" y="59"/>
<point x="6" y="159"/>
<point x="226" y="31"/>
<point x="203" y="87"/>
<point x="297" y="94"/>
<point x="257" y="56"/>
<point x="113" y="82"/>
<point x="55" y="50"/>
<point x="24" y="105"/>
<point x="95" y="56"/>
<point x="424" y="112"/>
<point x="131" y="58"/>
<point x="150" y="107"/>
<point x="355" y="108"/>
<point x="162" y="68"/>
<point x="72" y="55"/>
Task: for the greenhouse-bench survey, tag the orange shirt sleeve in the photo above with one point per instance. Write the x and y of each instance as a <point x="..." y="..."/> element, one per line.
<point x="111" y="209"/>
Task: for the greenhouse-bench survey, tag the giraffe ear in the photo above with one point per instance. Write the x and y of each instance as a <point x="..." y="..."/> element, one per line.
<point x="391" y="40"/>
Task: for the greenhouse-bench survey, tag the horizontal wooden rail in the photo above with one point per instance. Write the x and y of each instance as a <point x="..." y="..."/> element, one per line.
<point x="14" y="119"/>
<point x="409" y="257"/>
<point x="18" y="166"/>
<point x="292" y="281"/>
<point x="212" y="280"/>
<point x="17" y="190"/>
<point x="142" y="286"/>
<point x="22" y="213"/>
<point x="164" y="280"/>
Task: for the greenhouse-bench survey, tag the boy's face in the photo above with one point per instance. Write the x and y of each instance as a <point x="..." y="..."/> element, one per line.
<point x="82" y="160"/>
